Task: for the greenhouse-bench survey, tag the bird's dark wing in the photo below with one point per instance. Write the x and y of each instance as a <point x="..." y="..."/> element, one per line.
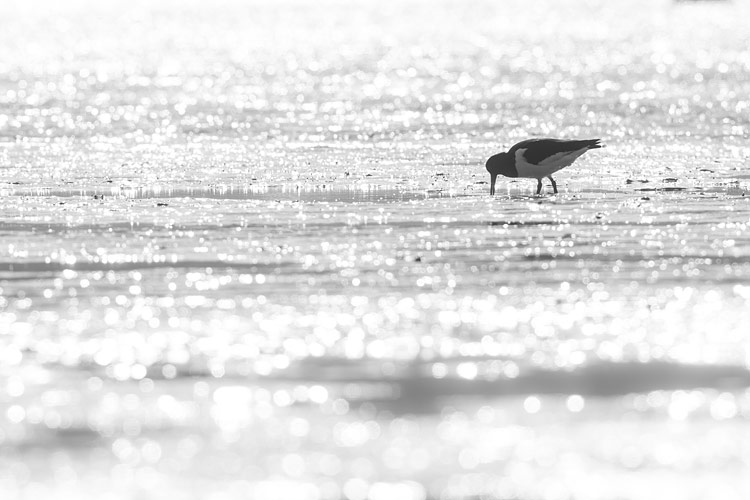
<point x="539" y="149"/>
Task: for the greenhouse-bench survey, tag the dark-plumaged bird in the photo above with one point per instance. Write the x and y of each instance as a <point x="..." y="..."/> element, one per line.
<point x="537" y="158"/>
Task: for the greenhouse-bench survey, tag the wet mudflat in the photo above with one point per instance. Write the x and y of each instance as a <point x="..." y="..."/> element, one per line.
<point x="264" y="267"/>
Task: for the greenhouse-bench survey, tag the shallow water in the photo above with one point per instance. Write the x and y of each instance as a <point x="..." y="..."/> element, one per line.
<point x="247" y="251"/>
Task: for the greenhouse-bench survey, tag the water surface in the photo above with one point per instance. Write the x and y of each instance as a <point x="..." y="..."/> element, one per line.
<point x="247" y="251"/>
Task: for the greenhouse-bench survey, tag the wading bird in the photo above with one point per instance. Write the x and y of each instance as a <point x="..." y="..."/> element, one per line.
<point x="537" y="158"/>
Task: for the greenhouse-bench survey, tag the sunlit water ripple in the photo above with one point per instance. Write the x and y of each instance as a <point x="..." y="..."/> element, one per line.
<point x="247" y="251"/>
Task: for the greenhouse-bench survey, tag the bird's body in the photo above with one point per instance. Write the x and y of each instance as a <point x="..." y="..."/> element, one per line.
<point x="537" y="158"/>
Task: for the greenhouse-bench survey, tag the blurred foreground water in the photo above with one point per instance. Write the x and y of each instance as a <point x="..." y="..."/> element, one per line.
<point x="247" y="251"/>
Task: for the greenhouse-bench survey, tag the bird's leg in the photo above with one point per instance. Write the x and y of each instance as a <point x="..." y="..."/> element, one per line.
<point x="554" y="184"/>
<point x="539" y="186"/>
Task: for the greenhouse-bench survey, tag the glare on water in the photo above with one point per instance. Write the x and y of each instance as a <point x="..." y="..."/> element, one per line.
<point x="247" y="251"/>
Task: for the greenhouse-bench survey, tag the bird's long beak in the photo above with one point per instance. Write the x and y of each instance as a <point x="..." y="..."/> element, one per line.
<point x="492" y="183"/>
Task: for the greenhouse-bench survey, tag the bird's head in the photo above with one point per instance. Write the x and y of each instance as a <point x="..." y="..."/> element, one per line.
<point x="500" y="164"/>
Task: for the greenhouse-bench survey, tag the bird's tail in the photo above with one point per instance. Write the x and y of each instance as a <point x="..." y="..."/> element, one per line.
<point x="593" y="143"/>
